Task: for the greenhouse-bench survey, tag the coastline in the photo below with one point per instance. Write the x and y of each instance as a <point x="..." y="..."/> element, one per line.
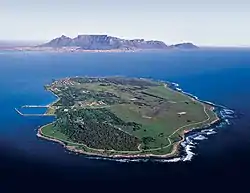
<point x="46" y="114"/>
<point x="51" y="104"/>
<point x="175" y="149"/>
<point x="72" y="50"/>
<point x="69" y="50"/>
<point x="73" y="148"/>
<point x="172" y="154"/>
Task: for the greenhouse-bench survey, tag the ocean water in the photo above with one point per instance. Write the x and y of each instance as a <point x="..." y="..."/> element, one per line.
<point x="32" y="110"/>
<point x="221" y="76"/>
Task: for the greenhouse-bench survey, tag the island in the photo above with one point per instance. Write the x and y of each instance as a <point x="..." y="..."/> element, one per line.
<point x="122" y="116"/>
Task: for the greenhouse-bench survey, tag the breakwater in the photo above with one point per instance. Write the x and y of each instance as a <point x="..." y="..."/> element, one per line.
<point x="32" y="115"/>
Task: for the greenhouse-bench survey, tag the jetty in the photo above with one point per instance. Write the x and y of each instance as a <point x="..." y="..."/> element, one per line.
<point x="32" y="115"/>
<point x="35" y="106"/>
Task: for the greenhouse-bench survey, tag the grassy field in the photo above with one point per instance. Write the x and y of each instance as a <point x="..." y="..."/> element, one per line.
<point x="52" y="132"/>
<point x="160" y="121"/>
<point x="162" y="113"/>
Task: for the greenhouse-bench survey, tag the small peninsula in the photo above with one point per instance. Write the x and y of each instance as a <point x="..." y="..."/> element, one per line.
<point x="122" y="117"/>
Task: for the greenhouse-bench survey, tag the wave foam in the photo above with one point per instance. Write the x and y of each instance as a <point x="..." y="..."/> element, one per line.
<point x="211" y="132"/>
<point x="200" y="138"/>
<point x="189" y="152"/>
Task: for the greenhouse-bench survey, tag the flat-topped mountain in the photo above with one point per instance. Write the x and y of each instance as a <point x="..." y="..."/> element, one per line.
<point x="105" y="42"/>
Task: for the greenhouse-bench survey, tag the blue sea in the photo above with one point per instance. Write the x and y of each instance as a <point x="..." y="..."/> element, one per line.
<point x="221" y="76"/>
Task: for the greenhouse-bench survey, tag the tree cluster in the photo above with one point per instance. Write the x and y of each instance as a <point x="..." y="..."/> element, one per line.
<point x="97" y="128"/>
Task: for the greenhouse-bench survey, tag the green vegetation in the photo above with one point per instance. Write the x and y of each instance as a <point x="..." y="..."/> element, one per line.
<point x="122" y="116"/>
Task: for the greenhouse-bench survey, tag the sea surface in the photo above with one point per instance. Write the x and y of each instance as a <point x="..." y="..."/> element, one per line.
<point x="221" y="76"/>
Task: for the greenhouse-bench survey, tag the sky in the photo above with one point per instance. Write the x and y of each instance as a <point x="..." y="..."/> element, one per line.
<point x="202" y="22"/>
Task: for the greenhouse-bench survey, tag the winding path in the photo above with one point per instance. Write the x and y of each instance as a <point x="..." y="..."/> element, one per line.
<point x="139" y="146"/>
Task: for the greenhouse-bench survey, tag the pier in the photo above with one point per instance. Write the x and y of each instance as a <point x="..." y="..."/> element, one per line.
<point x="35" y="106"/>
<point x="32" y="115"/>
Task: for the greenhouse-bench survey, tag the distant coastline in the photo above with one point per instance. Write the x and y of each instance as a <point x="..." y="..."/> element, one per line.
<point x="68" y="50"/>
<point x="77" y="50"/>
<point x="101" y="43"/>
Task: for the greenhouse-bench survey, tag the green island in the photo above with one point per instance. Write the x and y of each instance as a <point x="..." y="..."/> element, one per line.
<point x="122" y="117"/>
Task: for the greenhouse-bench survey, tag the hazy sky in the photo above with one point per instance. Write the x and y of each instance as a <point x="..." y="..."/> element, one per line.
<point x="203" y="22"/>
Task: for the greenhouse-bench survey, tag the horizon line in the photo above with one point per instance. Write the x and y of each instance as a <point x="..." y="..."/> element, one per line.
<point x="123" y="37"/>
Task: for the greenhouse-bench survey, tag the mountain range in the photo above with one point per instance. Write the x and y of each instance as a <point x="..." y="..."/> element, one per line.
<point x="105" y="42"/>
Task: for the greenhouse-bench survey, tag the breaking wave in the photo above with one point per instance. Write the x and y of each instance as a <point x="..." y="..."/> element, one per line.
<point x="192" y="138"/>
